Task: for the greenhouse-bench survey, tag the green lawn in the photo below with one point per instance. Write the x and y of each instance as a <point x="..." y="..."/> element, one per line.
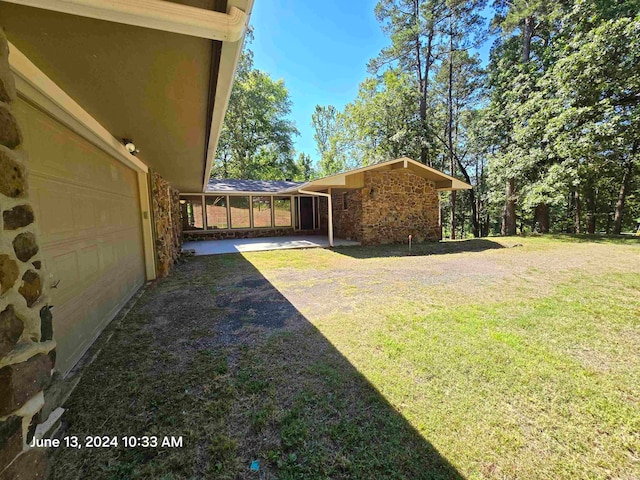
<point x="500" y="358"/>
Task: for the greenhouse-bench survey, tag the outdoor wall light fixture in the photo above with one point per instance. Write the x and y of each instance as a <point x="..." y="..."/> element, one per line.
<point x="130" y="146"/>
<point x="183" y="201"/>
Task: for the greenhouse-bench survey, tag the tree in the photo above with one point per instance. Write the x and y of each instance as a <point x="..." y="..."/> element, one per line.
<point x="528" y="19"/>
<point x="382" y="121"/>
<point x="257" y="138"/>
<point x="462" y="27"/>
<point x="326" y="123"/>
<point x="461" y="84"/>
<point x="304" y="167"/>
<point x="581" y="129"/>
<point x="413" y="27"/>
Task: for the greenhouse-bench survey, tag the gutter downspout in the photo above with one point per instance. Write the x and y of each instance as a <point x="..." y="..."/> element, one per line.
<point x="329" y="207"/>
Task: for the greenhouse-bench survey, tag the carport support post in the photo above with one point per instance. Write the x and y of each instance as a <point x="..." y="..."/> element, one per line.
<point x="329" y="207"/>
<point x="330" y="218"/>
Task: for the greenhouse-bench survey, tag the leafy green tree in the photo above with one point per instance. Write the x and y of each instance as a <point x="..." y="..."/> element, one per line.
<point x="304" y="167"/>
<point x="414" y="28"/>
<point x="326" y="122"/>
<point x="383" y="120"/>
<point x="256" y="141"/>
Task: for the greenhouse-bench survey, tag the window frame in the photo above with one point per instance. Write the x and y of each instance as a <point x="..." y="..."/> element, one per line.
<point x="228" y="211"/>
<point x="294" y="201"/>
<point x="270" y="197"/>
<point x="273" y="210"/>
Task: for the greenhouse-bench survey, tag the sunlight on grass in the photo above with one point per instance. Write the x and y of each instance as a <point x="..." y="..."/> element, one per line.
<point x="531" y="374"/>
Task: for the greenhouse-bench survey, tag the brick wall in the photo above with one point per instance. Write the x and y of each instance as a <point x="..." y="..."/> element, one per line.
<point x="166" y="219"/>
<point x="27" y="348"/>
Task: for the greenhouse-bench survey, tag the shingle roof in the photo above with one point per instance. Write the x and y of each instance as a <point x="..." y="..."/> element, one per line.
<point x="231" y="185"/>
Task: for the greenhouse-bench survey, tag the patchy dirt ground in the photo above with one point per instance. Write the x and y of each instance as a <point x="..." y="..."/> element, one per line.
<point x="316" y="364"/>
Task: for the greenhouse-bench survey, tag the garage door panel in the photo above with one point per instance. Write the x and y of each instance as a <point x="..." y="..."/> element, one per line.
<point x="84" y="213"/>
<point x="55" y="208"/>
<point x="64" y="262"/>
<point x="88" y="213"/>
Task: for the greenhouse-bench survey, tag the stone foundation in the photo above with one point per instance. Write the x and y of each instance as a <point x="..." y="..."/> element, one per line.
<point x="255" y="233"/>
<point x="166" y="220"/>
<point x="27" y="348"/>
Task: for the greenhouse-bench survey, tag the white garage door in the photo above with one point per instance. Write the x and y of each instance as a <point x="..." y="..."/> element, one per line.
<point x="88" y="213"/>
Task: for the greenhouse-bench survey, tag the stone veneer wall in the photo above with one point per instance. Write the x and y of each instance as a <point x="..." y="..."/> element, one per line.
<point x="347" y="223"/>
<point x="323" y="216"/>
<point x="396" y="204"/>
<point x="166" y="219"/>
<point x="391" y="206"/>
<point x="27" y="348"/>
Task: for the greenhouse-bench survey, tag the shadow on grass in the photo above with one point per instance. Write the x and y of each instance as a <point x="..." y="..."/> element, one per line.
<point x="216" y="354"/>
<point x="419" y="249"/>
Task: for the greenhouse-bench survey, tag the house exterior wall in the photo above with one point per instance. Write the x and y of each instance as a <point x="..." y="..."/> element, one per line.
<point x="166" y="219"/>
<point x="258" y="232"/>
<point x="347" y="223"/>
<point x="396" y="204"/>
<point x="27" y="348"/>
<point x="323" y="214"/>
<point x="392" y="205"/>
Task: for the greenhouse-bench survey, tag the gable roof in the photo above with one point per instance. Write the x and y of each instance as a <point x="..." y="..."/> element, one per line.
<point x="346" y="179"/>
<point x="231" y="185"/>
<point x="349" y="179"/>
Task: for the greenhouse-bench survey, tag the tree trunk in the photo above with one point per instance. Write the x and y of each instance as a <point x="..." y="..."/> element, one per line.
<point x="475" y="228"/>
<point x="542" y="217"/>
<point x="452" y="216"/>
<point x="527" y="35"/>
<point x="424" y="150"/>
<point x="622" y="195"/>
<point x="440" y="215"/>
<point x="509" y="214"/>
<point x="590" y="204"/>
<point x="450" y="132"/>
<point x="578" y="212"/>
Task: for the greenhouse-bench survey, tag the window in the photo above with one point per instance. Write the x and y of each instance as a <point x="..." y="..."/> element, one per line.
<point x="239" y="208"/>
<point x="191" y="213"/>
<point x="344" y="201"/>
<point x="282" y="211"/>
<point x="216" y="212"/>
<point x="261" y="212"/>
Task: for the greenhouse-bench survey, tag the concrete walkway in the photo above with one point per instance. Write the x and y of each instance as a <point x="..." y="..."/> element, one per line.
<point x="217" y="247"/>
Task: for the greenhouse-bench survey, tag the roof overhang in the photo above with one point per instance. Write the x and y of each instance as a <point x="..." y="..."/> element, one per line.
<point x="154" y="71"/>
<point x="442" y="181"/>
<point x="156" y="14"/>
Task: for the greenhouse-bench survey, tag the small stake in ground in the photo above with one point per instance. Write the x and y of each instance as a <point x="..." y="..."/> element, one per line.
<point x="410" y="238"/>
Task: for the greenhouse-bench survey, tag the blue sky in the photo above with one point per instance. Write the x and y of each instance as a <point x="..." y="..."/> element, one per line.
<point x="320" y="49"/>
